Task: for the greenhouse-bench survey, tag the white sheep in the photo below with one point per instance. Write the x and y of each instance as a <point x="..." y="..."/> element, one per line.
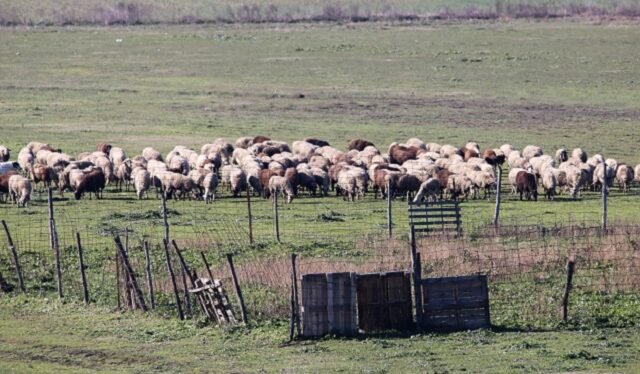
<point x="20" y="190"/>
<point x="429" y="190"/>
<point x="624" y="177"/>
<point x="346" y="185"/>
<point x="531" y="151"/>
<point x="151" y="154"/>
<point x="549" y="183"/>
<point x="278" y="184"/>
<point x="210" y="184"/>
<point x="25" y="159"/>
<point x="141" y="181"/>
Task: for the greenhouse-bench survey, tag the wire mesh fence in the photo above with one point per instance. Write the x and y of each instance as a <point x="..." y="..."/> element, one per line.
<point x="525" y="260"/>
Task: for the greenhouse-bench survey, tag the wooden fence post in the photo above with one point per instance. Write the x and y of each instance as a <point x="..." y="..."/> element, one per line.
<point x="130" y="275"/>
<point x="192" y="279"/>
<point x="417" y="276"/>
<point x="276" y="223"/>
<point x="496" y="213"/>
<point x="173" y="280"/>
<point x="85" y="288"/>
<point x="14" y="255"/>
<point x="236" y="286"/>
<point x="250" y="217"/>
<point x="119" y="305"/>
<point x="129" y="296"/>
<point x="165" y="221"/>
<point x="295" y="315"/>
<point x="54" y="243"/>
<point x="147" y="269"/>
<point x="567" y="289"/>
<point x="605" y="190"/>
<point x="389" y="214"/>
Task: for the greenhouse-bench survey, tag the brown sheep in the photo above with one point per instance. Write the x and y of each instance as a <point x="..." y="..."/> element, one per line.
<point x="491" y="158"/>
<point x="469" y="153"/>
<point x="402" y="185"/>
<point x="4" y="183"/>
<point x="93" y="181"/>
<point x="265" y="176"/>
<point x="292" y="176"/>
<point x="399" y="154"/>
<point x="44" y="174"/>
<point x="260" y="139"/>
<point x="359" y="144"/>
<point x="526" y="184"/>
<point x="104" y="148"/>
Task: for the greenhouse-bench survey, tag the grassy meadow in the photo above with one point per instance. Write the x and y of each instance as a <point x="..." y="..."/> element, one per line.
<point x="553" y="84"/>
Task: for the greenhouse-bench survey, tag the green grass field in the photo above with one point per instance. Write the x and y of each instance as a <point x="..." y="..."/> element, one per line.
<point x="552" y="84"/>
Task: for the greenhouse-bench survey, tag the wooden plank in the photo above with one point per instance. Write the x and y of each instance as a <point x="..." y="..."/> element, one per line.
<point x="430" y="215"/>
<point x="341" y="306"/>
<point x="434" y="210"/>
<point x="314" y="305"/>
<point x="432" y="281"/>
<point x="399" y="303"/>
<point x="372" y="310"/>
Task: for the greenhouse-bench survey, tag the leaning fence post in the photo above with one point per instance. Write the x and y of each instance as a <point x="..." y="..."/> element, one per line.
<point x="250" y="217"/>
<point x="417" y="276"/>
<point x="389" y="215"/>
<point x="130" y="275"/>
<point x="206" y="264"/>
<point x="85" y="289"/>
<point x="567" y="289"/>
<point x="173" y="280"/>
<point x="147" y="269"/>
<point x="496" y="213"/>
<point x="236" y="286"/>
<point x="605" y="190"/>
<point x="54" y="243"/>
<point x="276" y="223"/>
<point x="119" y="305"/>
<point x="14" y="254"/>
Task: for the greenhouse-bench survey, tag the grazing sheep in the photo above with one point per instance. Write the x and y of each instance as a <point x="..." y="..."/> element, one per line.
<point x="576" y="178"/>
<point x="429" y="190"/>
<point x="562" y="155"/>
<point x="210" y="184"/>
<point x="123" y="175"/>
<point x="278" y="184"/>
<point x="492" y="157"/>
<point x="4" y="184"/>
<point x="346" y="185"/>
<point x="25" y="159"/>
<point x="265" y="176"/>
<point x="459" y="186"/>
<point x="178" y="164"/>
<point x="237" y="181"/>
<point x="636" y="172"/>
<point x="359" y="144"/>
<point x="532" y="151"/>
<point x="141" y="181"/>
<point x="151" y="154"/>
<point x="483" y="180"/>
<point x="117" y="156"/>
<point x="579" y="154"/>
<point x="93" y="181"/>
<point x="549" y="183"/>
<point x="526" y="184"/>
<point x="624" y="177"/>
<point x="468" y="153"/>
<point x="399" y="154"/>
<point x="513" y="173"/>
<point x="507" y="149"/>
<point x="5" y="153"/>
<point x="448" y="151"/>
<point x="292" y="176"/>
<point x="44" y="174"/>
<point x="104" y="148"/>
<point x="177" y="185"/>
<point x="8" y="166"/>
<point x="405" y="184"/>
<point x="35" y="147"/>
<point x="20" y="189"/>
<point x="260" y="139"/>
<point x="304" y="149"/>
<point x="602" y="175"/>
<point x="244" y="142"/>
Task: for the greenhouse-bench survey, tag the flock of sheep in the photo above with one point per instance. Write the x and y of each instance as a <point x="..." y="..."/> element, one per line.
<point x="415" y="169"/>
